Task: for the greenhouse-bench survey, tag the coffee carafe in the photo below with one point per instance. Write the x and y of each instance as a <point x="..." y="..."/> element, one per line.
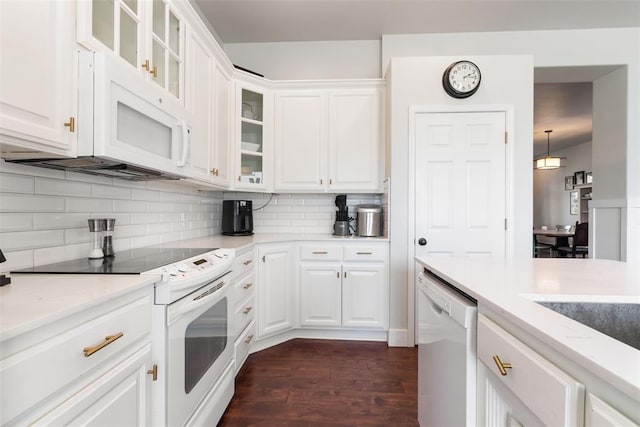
<point x="343" y="223"/>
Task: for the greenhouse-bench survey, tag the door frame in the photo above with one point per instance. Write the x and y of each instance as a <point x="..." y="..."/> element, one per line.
<point x="508" y="110"/>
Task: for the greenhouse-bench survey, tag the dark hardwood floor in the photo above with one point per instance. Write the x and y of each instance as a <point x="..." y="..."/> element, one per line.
<point x="326" y="383"/>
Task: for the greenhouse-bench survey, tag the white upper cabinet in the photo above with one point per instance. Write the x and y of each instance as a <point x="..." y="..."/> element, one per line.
<point x="252" y="134"/>
<point x="149" y="35"/>
<point x="300" y="140"/>
<point x="222" y="128"/>
<point x="199" y="100"/>
<point x="328" y="139"/>
<point x="354" y="140"/>
<point x="37" y="78"/>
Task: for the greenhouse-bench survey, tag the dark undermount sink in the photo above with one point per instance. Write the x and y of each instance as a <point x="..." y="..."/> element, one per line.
<point x="620" y="321"/>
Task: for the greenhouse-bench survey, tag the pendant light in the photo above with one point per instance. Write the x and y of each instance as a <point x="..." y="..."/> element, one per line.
<point x="548" y="162"/>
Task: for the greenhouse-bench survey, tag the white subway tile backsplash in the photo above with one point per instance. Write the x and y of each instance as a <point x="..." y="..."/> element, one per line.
<point x="14" y="241"/>
<point x="77" y="235"/>
<point x="16" y="183"/>
<point x="55" y="254"/>
<point x="129" y="206"/>
<point x="87" y="204"/>
<point x="110" y="191"/>
<point x="17" y="260"/>
<point x="10" y="202"/>
<point x="51" y="228"/>
<point x="50" y="221"/>
<point x="59" y="187"/>
<point x="16" y="221"/>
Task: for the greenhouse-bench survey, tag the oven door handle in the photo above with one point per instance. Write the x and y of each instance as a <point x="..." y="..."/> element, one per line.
<point x="208" y="295"/>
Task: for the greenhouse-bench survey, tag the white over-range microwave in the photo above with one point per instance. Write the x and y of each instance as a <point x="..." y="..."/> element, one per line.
<point x="127" y="127"/>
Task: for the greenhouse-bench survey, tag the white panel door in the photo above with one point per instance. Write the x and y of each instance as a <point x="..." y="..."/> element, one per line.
<point x="460" y="184"/>
<point x="301" y="141"/>
<point x="320" y="294"/>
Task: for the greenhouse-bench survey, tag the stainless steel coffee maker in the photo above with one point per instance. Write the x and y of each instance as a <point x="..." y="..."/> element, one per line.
<point x="342" y="226"/>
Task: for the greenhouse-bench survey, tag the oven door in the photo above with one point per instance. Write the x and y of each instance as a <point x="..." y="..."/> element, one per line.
<point x="200" y="346"/>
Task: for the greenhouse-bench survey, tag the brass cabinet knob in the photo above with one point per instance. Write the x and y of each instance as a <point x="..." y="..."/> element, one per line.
<point x="71" y="124"/>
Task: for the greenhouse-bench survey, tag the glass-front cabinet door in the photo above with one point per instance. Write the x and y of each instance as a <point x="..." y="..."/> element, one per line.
<point x="147" y="34"/>
<point x="253" y="144"/>
<point x="166" y="48"/>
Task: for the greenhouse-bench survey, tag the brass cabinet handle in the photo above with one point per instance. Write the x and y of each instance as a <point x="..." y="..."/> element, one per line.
<point x="145" y="64"/>
<point x="154" y="72"/>
<point x="88" y="351"/>
<point x="338" y="274"/>
<point x="239" y="178"/>
<point x="330" y="181"/>
<point x="321" y="181"/>
<point x="247" y="286"/>
<point x="248" y="340"/>
<point x="153" y="372"/>
<point x="247" y="310"/>
<point x="71" y="124"/>
<point x="214" y="171"/>
<point x="319" y="252"/>
<point x="364" y="253"/>
<point x="502" y="367"/>
<point x="247" y="262"/>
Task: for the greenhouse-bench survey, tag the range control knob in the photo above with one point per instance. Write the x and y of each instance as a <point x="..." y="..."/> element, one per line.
<point x="182" y="268"/>
<point x="172" y="270"/>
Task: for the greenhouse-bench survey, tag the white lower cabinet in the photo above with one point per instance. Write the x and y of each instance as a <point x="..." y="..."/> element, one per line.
<point x="518" y="387"/>
<point x="344" y="285"/>
<point x="89" y="368"/>
<point x="276" y="293"/>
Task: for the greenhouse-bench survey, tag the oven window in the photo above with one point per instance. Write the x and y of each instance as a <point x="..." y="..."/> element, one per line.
<point x="205" y="340"/>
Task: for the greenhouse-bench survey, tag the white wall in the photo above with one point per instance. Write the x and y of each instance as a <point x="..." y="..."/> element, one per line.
<point x="506" y="81"/>
<point x="550" y="199"/>
<point x="309" y="60"/>
<point x="562" y="48"/>
<point x="44" y="212"/>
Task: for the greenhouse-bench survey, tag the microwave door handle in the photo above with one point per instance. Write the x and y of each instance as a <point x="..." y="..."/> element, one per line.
<point x="186" y="140"/>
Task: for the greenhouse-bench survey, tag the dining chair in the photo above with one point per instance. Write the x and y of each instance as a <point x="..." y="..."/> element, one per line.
<point x="538" y="247"/>
<point x="580" y="244"/>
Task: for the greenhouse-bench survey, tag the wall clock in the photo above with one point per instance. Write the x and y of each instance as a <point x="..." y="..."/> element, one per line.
<point x="461" y="79"/>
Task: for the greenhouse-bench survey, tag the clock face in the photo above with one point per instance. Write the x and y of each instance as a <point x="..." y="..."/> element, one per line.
<point x="461" y="79"/>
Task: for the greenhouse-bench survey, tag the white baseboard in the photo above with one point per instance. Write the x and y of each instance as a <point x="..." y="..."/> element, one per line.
<point x="323" y="334"/>
<point x="398" y="338"/>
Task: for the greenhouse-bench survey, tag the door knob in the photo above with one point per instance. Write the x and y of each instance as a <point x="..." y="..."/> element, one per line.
<point x="422" y="241"/>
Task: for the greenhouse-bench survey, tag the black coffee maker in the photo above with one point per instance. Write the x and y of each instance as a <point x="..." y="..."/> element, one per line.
<point x="237" y="217"/>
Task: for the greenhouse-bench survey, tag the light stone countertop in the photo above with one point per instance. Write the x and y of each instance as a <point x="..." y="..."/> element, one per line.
<point x="34" y="300"/>
<point x="244" y="242"/>
<point x="511" y="287"/>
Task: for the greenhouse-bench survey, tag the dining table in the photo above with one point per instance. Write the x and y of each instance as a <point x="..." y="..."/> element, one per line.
<point x="561" y="236"/>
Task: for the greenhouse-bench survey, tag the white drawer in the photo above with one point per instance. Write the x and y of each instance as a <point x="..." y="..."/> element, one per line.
<point x="366" y="252"/>
<point x="243" y="287"/>
<point x="243" y="345"/>
<point x="40" y="371"/>
<point x="546" y="390"/>
<point x="321" y="252"/>
<point x="243" y="315"/>
<point x="243" y="264"/>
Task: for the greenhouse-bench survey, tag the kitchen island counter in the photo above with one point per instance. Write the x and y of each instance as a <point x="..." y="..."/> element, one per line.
<point x="510" y="288"/>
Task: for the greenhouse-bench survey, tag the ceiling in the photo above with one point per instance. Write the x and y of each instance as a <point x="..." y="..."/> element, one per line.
<point x="565" y="108"/>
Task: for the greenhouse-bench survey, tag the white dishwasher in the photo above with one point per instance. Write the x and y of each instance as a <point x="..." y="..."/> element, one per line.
<point x="446" y="354"/>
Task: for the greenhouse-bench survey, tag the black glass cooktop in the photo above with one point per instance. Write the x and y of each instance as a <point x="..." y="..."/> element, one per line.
<point x="134" y="261"/>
